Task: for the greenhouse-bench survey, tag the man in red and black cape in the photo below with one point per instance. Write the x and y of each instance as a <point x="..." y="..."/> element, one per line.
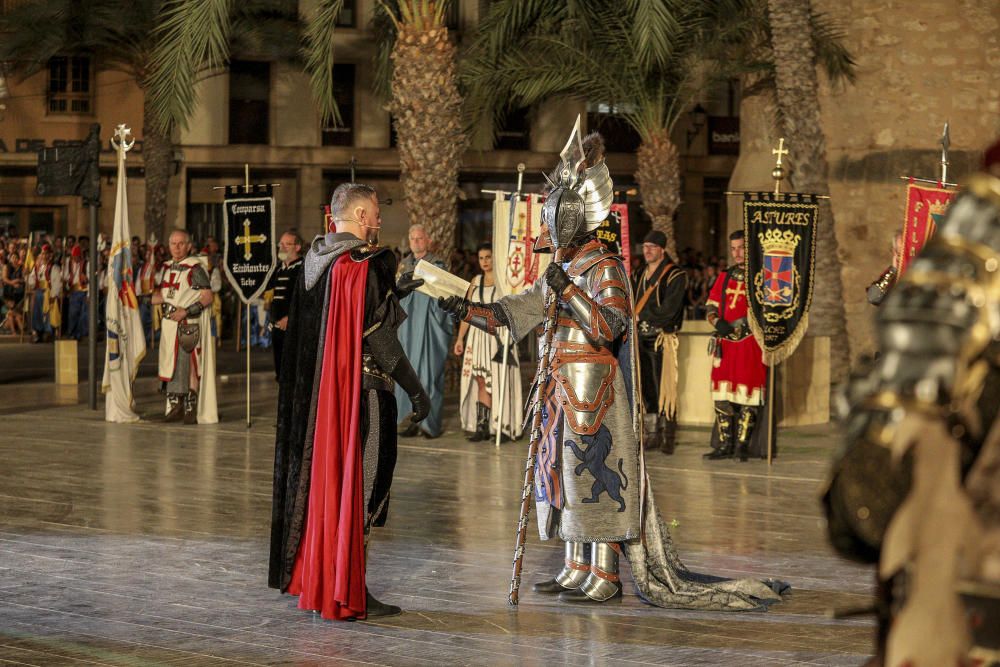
<point x="336" y="439"/>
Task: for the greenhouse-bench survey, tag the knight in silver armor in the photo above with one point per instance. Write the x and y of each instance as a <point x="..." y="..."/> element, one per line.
<point x="917" y="487"/>
<point x="588" y="472"/>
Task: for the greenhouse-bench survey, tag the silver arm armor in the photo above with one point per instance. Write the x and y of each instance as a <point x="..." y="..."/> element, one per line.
<point x="604" y="316"/>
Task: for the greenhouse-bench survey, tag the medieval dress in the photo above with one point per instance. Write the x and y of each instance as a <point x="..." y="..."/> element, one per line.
<point x="589" y="472"/>
<point x="335" y="448"/>
<point x="482" y="359"/>
<point x="426" y="336"/>
<point x="739" y="376"/>
<point x="181" y="287"/>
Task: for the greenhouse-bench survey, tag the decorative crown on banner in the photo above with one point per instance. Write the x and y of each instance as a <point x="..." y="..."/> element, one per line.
<point x="776" y="241"/>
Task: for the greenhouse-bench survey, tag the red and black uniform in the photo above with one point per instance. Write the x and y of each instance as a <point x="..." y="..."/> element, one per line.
<point x="738" y="371"/>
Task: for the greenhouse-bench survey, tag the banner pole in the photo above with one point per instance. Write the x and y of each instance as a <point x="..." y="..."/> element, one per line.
<point x="505" y="368"/>
<point x="504" y="373"/>
<point x="246" y="189"/>
<point x="771" y="426"/>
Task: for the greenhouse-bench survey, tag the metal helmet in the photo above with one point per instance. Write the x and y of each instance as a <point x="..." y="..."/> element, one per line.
<point x="581" y="198"/>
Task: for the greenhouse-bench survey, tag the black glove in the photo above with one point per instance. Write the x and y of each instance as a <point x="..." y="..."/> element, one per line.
<point x="406" y="284"/>
<point x="723" y="328"/>
<point x="404" y="374"/>
<point x="455" y="305"/>
<point x="557" y="278"/>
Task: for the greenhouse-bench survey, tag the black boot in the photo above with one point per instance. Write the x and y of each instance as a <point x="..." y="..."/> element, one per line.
<point x="724" y="419"/>
<point x="748" y="418"/>
<point x="175" y="408"/>
<point x="650" y="433"/>
<point x="191" y="407"/>
<point x="482" y="431"/>
<point x="376" y="609"/>
<point x="668" y="434"/>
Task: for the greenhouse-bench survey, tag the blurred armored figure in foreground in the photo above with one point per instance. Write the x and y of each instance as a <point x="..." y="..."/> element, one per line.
<point x="917" y="488"/>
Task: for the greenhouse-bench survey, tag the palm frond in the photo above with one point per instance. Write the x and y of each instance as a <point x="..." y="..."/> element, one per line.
<point x="655" y="28"/>
<point x="828" y="45"/>
<point x="319" y="56"/>
<point x="193" y="35"/>
<point x="383" y="26"/>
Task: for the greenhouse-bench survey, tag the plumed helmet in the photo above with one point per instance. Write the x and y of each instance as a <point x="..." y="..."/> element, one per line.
<point x="581" y="195"/>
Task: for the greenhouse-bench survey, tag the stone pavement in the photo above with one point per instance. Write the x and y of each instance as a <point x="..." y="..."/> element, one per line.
<point x="146" y="544"/>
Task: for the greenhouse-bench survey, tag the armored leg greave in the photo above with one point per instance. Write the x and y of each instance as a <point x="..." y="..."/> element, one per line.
<point x="175" y="408"/>
<point x="724" y="417"/>
<point x="574" y="572"/>
<point x="747" y="420"/>
<point x="602" y="583"/>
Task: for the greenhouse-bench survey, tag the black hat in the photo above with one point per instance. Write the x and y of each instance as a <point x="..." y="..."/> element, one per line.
<point x="656" y="237"/>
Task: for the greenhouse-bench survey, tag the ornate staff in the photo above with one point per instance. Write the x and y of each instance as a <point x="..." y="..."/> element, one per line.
<point x="541" y="382"/>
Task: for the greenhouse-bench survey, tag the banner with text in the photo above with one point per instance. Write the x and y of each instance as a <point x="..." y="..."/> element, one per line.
<point x="780" y="262"/>
<point x="249" y="254"/>
<point x="925" y="206"/>
<point x="515" y="266"/>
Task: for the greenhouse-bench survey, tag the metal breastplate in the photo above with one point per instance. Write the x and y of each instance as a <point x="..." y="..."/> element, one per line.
<point x="583" y="372"/>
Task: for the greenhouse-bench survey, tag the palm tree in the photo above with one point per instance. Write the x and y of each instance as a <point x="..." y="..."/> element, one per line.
<point x="123" y="35"/>
<point x="419" y="60"/>
<point x="649" y="60"/>
<point x="416" y="73"/>
<point x="636" y="56"/>
<point x="796" y="87"/>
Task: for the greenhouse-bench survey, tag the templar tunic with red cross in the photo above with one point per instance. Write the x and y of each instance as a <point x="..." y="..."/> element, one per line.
<point x="180" y="290"/>
<point x="739" y="375"/>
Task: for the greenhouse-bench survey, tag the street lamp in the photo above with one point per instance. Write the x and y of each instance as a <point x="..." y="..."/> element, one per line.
<point x="698" y="117"/>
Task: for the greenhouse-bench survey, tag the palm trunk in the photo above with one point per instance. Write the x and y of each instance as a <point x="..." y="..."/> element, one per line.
<point x="659" y="177"/>
<point x="427" y="108"/>
<point x="158" y="157"/>
<point x="796" y="87"/>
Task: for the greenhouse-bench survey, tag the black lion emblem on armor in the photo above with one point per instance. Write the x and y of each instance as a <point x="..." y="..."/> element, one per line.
<point x="592" y="459"/>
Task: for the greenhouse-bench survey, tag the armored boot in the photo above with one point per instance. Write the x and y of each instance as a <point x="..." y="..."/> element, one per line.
<point x="573" y="573"/>
<point x="602" y="584"/>
<point x="175" y="408"/>
<point x="668" y="434"/>
<point x="748" y="417"/>
<point x="725" y="421"/>
<point x="482" y="431"/>
<point x="191" y="407"/>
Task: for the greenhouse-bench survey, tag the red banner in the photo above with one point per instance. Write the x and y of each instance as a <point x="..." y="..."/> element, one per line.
<point x="925" y="205"/>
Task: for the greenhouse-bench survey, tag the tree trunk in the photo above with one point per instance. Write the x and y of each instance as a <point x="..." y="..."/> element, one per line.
<point x="796" y="87"/>
<point x="427" y="112"/>
<point x="158" y="158"/>
<point x="659" y="177"/>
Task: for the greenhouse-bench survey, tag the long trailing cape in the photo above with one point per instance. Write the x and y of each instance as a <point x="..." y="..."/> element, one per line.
<point x="305" y="344"/>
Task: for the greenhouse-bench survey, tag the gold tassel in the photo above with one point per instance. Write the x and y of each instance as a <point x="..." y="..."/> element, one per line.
<point x="669" y="373"/>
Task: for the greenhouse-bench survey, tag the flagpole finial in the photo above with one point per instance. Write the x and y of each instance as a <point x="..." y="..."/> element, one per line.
<point x="122" y="134"/>
<point x="945" y="145"/>
<point x="778" y="173"/>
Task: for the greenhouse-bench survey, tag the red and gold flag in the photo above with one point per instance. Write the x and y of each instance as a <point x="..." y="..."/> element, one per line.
<point x="925" y="206"/>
